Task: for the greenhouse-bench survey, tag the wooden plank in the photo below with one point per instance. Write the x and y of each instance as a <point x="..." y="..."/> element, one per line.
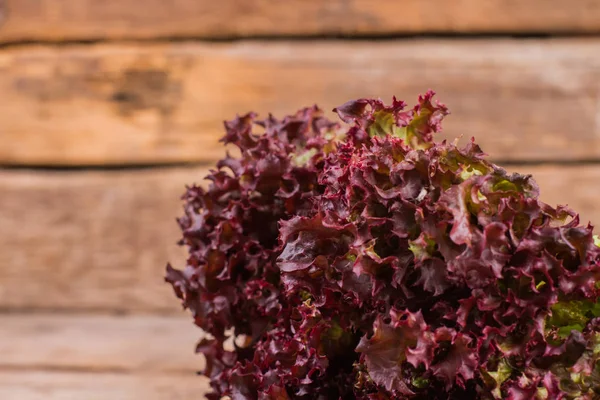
<point x="163" y="103"/>
<point x="103" y="344"/>
<point x="30" y="20"/>
<point x="65" y="357"/>
<point x="574" y="185"/>
<point x="99" y="241"/>
<point x="90" y="240"/>
<point x="36" y="385"/>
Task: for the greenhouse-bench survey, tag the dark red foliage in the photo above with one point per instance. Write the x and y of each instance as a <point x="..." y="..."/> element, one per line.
<point x="367" y="261"/>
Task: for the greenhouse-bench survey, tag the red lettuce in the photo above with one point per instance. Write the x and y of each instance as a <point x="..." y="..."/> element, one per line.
<point x="366" y="261"/>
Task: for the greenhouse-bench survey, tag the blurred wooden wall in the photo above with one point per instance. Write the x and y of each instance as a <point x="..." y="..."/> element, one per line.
<point x="109" y="107"/>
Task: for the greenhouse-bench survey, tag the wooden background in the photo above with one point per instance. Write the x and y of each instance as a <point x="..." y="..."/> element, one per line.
<point x="109" y="107"/>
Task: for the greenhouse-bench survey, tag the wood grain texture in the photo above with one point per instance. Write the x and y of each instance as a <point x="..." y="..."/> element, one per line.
<point x="99" y="241"/>
<point x="68" y="357"/>
<point x="90" y="240"/>
<point x="163" y="103"/>
<point x="32" y="20"/>
<point x="40" y="385"/>
<point x="104" y="344"/>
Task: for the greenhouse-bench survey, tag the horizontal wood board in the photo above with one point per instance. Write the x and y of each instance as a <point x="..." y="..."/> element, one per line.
<point x="99" y="241"/>
<point x="56" y="385"/>
<point x="99" y="343"/>
<point x="90" y="240"/>
<point x="66" y="357"/>
<point x="60" y="20"/>
<point x="128" y="104"/>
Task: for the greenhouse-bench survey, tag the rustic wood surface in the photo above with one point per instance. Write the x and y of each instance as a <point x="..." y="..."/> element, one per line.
<point x="68" y="357"/>
<point x="88" y="240"/>
<point x="51" y="385"/>
<point x="164" y="103"/>
<point x="59" y="20"/>
<point x="99" y="241"/>
<point x="84" y="311"/>
<point x="100" y="343"/>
